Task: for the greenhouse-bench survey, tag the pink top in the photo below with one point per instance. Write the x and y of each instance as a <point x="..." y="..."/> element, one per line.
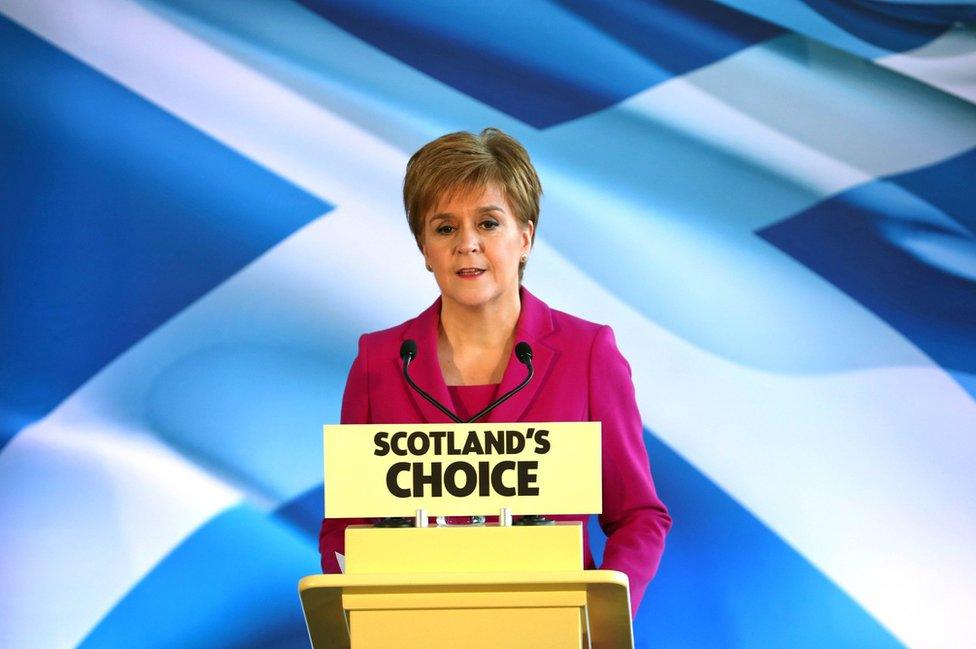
<point x="471" y="399"/>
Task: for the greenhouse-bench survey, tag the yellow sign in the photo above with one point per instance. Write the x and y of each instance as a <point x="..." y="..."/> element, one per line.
<point x="375" y="470"/>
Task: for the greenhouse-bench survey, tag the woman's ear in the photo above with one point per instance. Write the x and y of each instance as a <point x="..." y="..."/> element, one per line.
<point x="527" y="236"/>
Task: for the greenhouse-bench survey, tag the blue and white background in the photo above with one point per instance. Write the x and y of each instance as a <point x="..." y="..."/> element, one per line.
<point x="772" y="202"/>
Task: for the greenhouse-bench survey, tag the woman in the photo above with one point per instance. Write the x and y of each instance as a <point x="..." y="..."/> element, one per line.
<point x="472" y="203"/>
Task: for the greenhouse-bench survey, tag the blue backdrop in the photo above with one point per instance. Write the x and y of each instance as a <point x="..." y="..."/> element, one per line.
<point x="771" y="201"/>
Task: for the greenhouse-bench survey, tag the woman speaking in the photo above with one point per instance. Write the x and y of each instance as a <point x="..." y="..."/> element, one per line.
<point x="472" y="202"/>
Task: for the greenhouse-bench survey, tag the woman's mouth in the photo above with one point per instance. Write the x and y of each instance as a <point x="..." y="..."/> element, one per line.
<point x="470" y="273"/>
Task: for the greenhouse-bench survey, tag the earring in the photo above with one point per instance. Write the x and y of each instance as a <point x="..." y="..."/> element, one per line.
<point x="525" y="258"/>
<point x="430" y="269"/>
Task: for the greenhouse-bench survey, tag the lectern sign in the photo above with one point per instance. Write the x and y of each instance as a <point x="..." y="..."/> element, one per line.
<point x="375" y="470"/>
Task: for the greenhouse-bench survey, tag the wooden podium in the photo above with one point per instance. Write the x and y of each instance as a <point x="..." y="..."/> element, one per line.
<point x="483" y="586"/>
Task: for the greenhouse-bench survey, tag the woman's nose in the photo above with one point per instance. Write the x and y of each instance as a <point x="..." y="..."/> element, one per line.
<point x="470" y="240"/>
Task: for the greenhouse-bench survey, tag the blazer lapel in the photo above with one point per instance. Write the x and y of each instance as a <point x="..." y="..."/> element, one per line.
<point x="534" y="324"/>
<point x="425" y="369"/>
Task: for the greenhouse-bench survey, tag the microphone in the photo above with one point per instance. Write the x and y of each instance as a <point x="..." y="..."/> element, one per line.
<point x="523" y="352"/>
<point x="408" y="351"/>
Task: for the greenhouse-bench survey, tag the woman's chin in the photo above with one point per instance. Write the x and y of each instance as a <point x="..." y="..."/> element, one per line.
<point x="471" y="301"/>
<point x="472" y="297"/>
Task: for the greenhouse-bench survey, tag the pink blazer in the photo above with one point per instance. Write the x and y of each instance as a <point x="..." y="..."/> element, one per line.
<point x="579" y="376"/>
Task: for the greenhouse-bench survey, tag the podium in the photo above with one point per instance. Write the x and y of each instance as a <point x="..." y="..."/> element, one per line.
<point x="475" y="586"/>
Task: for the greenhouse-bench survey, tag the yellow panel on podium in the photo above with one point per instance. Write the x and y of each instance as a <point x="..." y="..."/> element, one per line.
<point x="464" y="548"/>
<point x="474" y="620"/>
<point x="477" y="586"/>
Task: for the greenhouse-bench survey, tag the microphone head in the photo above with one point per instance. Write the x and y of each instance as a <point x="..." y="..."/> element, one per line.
<point x="523" y="352"/>
<point x="408" y="350"/>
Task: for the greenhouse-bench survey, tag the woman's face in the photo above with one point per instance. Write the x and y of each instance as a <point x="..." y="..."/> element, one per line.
<point x="474" y="243"/>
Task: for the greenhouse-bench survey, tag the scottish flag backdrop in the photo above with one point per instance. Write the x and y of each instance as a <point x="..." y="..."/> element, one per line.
<point x="772" y="202"/>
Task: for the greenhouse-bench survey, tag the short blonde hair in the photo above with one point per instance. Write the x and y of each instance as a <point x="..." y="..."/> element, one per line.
<point x="463" y="161"/>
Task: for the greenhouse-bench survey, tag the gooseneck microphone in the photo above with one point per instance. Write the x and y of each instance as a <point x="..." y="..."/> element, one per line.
<point x="408" y="351"/>
<point x="523" y="352"/>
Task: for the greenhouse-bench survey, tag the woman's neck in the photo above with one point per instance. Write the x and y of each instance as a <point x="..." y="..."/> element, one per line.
<point x="490" y="326"/>
<point x="474" y="344"/>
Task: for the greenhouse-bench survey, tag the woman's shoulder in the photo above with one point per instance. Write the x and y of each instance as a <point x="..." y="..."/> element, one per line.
<point x="583" y="334"/>
<point x="576" y="330"/>
<point x="585" y="339"/>
<point x="562" y="322"/>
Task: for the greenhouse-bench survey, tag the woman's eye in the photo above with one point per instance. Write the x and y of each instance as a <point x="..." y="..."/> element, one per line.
<point x="445" y="229"/>
<point x="490" y="224"/>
